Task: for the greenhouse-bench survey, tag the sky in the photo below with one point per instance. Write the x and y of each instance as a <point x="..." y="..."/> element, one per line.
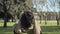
<point x="48" y="5"/>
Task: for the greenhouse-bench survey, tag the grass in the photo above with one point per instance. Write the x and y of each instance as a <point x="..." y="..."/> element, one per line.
<point x="50" y="28"/>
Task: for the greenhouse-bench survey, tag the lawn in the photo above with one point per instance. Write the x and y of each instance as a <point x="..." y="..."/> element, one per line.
<point x="50" y="28"/>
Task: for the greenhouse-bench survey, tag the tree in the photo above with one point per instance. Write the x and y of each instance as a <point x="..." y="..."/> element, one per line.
<point x="57" y="18"/>
<point x="11" y="7"/>
<point x="5" y="11"/>
<point x="59" y="12"/>
<point x="45" y="18"/>
<point x="40" y="14"/>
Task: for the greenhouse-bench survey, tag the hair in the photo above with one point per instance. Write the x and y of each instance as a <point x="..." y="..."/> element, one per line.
<point x="27" y="19"/>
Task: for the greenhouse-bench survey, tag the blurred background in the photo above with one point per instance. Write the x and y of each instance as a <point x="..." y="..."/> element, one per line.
<point x="46" y="11"/>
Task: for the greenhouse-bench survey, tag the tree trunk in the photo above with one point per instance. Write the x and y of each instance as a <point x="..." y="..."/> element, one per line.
<point x="16" y="19"/>
<point x="5" y="20"/>
<point x="12" y="19"/>
<point x="45" y="20"/>
<point x="57" y="19"/>
<point x="57" y="22"/>
<point x="40" y="19"/>
<point x="5" y="12"/>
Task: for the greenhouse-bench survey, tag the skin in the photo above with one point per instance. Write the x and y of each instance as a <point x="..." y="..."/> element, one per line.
<point x="37" y="28"/>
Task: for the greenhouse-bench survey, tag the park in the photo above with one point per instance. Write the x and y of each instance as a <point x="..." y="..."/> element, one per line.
<point x="49" y="28"/>
<point x="29" y="16"/>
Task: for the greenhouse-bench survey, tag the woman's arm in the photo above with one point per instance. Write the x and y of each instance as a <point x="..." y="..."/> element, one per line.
<point x="37" y="29"/>
<point x="17" y="28"/>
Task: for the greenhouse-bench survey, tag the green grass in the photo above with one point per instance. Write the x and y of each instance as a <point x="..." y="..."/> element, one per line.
<point x="50" y="28"/>
<point x="7" y="30"/>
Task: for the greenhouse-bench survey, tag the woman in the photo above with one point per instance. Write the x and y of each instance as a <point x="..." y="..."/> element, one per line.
<point x="26" y="21"/>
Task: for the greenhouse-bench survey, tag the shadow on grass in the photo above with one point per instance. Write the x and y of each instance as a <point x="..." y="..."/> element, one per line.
<point x="45" y="30"/>
<point x="8" y="30"/>
<point x="50" y="28"/>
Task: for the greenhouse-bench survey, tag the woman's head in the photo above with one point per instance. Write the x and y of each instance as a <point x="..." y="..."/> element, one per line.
<point x="27" y="19"/>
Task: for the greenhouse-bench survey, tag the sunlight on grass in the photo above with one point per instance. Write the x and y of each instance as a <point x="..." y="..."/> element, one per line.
<point x="8" y="24"/>
<point x="49" y="28"/>
<point x="6" y="32"/>
<point x="51" y="32"/>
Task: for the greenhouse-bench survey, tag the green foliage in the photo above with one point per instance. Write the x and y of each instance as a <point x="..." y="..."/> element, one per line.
<point x="19" y="13"/>
<point x="23" y="0"/>
<point x="17" y="1"/>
